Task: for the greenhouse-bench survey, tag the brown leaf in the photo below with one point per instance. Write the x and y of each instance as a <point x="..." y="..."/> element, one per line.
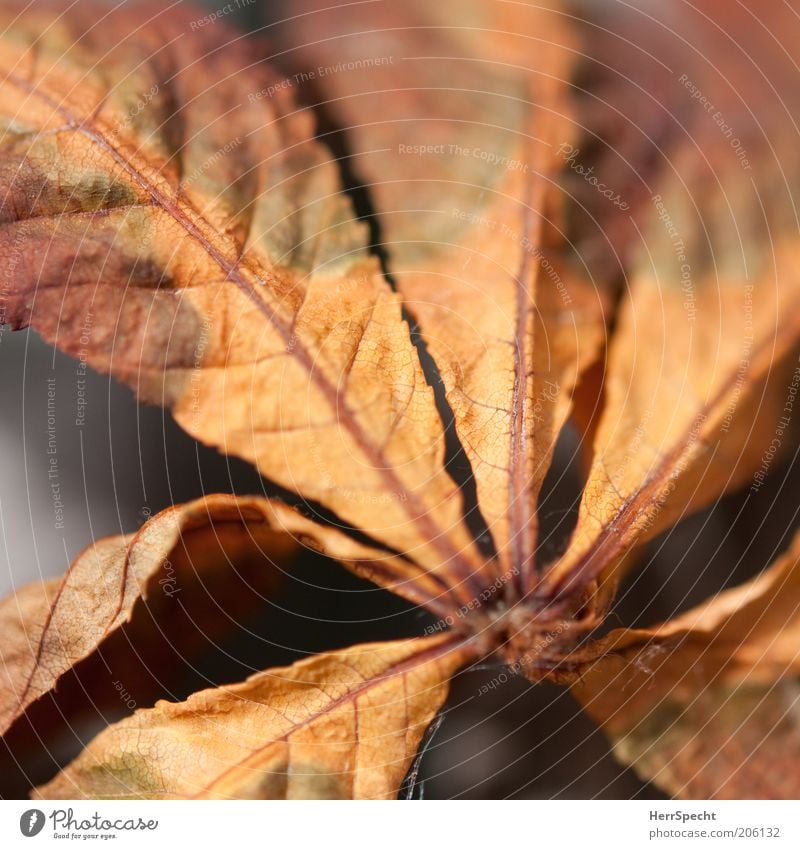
<point x="687" y="417"/>
<point x="136" y="608"/>
<point x="213" y="263"/>
<point x="169" y="217"/>
<point x="340" y="725"/>
<point x="177" y="557"/>
<point x="699" y="370"/>
<point x="457" y="133"/>
<point x="706" y="705"/>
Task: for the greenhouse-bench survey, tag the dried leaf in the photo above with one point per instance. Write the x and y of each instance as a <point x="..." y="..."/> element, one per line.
<point x="214" y="264"/>
<point x="340" y="725"/>
<point x="461" y="141"/>
<point x="687" y="417"/>
<point x="51" y="627"/>
<point x="706" y="705"/>
<point x="169" y="217"/>
<point x="699" y="371"/>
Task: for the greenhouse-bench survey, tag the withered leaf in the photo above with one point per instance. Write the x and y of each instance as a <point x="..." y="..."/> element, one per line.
<point x="168" y="202"/>
<point x="159" y="205"/>
<point x="687" y="417"/>
<point x="462" y="136"/>
<point x="707" y="704"/>
<point x="182" y="565"/>
<point x="178" y="556"/>
<point x="699" y="370"/>
<point x="345" y="724"/>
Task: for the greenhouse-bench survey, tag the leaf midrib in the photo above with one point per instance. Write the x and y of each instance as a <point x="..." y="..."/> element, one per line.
<point x="424" y="655"/>
<point x="612" y="541"/>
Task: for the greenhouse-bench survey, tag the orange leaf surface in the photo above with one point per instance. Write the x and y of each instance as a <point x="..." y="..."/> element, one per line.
<point x="213" y="263"/>
<point x="340" y="725"/>
<point x="456" y="131"/>
<point x="699" y="376"/>
<point x="172" y="216"/>
<point x="51" y="627"/>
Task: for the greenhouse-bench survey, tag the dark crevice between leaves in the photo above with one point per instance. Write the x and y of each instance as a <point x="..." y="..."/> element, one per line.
<point x="458" y="466"/>
<point x="559" y="497"/>
<point x="502" y="737"/>
<point x="713" y="550"/>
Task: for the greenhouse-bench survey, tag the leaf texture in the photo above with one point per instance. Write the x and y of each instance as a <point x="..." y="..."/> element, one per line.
<point x="700" y="369"/>
<point x="217" y="265"/>
<point x="171" y="216"/>
<point x="340" y="725"/>
<point x="456" y="130"/>
<point x="687" y="417"/>
<point x="49" y="628"/>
